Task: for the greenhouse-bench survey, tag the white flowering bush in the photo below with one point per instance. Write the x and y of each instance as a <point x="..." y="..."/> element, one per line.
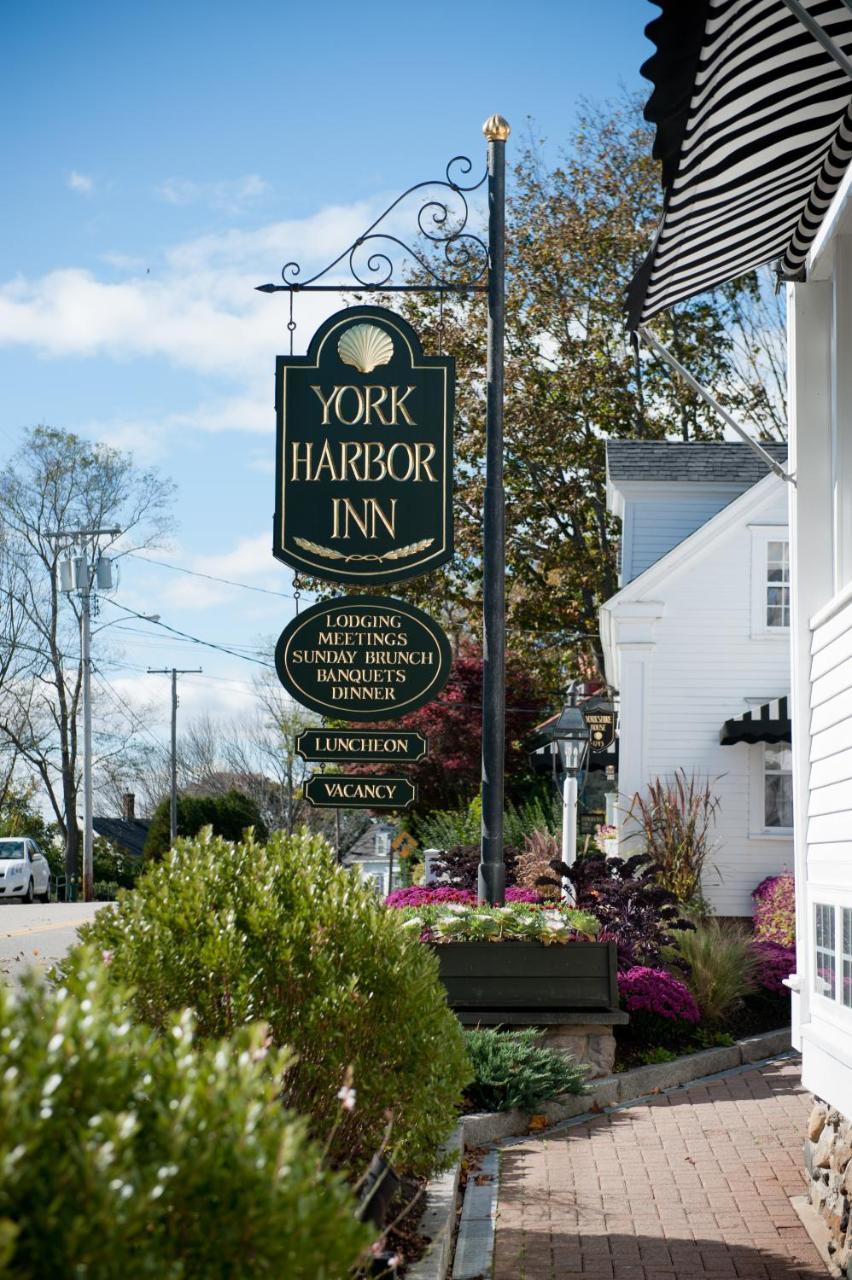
<point x="244" y="932"/>
<point x="124" y="1153"/>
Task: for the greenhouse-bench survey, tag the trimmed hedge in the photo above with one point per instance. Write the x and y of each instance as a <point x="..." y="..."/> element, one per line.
<point x="127" y="1153"/>
<point x="241" y="932"/>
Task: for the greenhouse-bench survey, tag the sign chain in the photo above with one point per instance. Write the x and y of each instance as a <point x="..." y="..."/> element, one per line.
<point x="291" y="324"/>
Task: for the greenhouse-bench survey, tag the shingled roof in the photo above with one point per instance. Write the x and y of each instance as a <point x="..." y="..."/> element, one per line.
<point x="720" y="461"/>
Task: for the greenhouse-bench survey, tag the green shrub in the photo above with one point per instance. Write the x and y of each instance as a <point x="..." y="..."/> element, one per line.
<point x="512" y="1071"/>
<point x="229" y="815"/>
<point x="246" y="932"/>
<point x="722" y="967"/>
<point x="106" y="890"/>
<point x="125" y="1153"/>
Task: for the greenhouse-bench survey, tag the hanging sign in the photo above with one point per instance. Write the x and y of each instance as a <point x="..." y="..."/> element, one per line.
<point x="364" y="466"/>
<point x="346" y="791"/>
<point x="374" y="746"/>
<point x="363" y="658"/>
<point x="601" y="722"/>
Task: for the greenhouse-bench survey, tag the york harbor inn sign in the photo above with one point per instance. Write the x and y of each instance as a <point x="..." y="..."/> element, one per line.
<point x="364" y="474"/>
<point x="364" y="452"/>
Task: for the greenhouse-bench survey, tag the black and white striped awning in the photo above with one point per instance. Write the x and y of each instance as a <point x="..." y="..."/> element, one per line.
<point x="768" y="723"/>
<point x="754" y="129"/>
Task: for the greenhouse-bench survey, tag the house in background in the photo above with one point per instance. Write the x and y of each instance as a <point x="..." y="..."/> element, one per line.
<point x="370" y="857"/>
<point x="696" y="641"/>
<point x="128" y="833"/>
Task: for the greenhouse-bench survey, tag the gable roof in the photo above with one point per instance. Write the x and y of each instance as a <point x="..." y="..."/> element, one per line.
<point x="717" y="461"/>
<point x="127" y="835"/>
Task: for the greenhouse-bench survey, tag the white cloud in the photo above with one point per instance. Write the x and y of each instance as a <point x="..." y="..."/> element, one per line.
<point x="229" y="195"/>
<point x="200" y="312"/>
<point x="80" y="182"/>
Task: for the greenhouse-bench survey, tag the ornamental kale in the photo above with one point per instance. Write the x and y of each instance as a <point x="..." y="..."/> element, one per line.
<point x="634" y="910"/>
<point x="516" y="922"/>
<point x="774" y="964"/>
<point x="657" y="992"/>
<point x="775" y="910"/>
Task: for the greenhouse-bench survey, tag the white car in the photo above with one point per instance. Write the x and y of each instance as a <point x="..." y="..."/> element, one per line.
<point x="24" y="870"/>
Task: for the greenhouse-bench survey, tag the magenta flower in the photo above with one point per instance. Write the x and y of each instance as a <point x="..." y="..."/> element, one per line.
<point x="656" y="991"/>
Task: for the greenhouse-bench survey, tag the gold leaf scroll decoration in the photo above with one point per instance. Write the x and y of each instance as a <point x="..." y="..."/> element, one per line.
<point x="331" y="553"/>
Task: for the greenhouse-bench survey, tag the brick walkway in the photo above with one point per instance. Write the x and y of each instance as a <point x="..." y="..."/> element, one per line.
<point x="695" y="1183"/>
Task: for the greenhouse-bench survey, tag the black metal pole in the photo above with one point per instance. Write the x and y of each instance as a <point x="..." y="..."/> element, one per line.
<point x="492" y="867"/>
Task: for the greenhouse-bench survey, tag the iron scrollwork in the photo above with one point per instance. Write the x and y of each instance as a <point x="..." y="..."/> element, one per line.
<point x="461" y="265"/>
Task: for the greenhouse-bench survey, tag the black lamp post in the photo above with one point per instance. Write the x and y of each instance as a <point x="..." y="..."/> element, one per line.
<point x="563" y="742"/>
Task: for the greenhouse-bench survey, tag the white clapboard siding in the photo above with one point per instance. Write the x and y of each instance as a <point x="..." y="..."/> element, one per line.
<point x="830" y="782"/>
<point x="707" y="667"/>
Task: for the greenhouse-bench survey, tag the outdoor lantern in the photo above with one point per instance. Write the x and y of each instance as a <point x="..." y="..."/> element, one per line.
<point x="561" y="744"/>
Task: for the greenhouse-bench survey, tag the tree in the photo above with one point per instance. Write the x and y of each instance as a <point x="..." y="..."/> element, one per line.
<point x="229" y="815"/>
<point x="575" y="234"/>
<point x="450" y="774"/>
<point x="56" y="482"/>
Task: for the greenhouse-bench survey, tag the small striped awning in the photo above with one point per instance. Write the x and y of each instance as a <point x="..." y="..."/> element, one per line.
<point x="754" y="130"/>
<point x="769" y="723"/>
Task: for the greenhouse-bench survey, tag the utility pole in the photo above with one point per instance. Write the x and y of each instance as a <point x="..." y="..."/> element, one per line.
<point x="78" y="575"/>
<point x="492" y="866"/>
<point x="174" y="672"/>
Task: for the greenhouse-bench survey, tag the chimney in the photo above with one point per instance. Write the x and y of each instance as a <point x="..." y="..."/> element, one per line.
<point x="128" y="806"/>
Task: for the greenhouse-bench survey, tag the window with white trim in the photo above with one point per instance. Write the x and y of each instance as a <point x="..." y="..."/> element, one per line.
<point x="777" y="786"/>
<point x="770" y="581"/>
<point x="777" y="583"/>
<point x="846" y="959"/>
<point x="825" y="967"/>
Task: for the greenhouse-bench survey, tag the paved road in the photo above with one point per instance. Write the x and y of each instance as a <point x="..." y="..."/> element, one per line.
<point x="39" y="934"/>
<point x="696" y="1183"/>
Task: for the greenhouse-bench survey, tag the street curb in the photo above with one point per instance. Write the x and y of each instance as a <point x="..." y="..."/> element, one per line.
<point x="477" y="1225"/>
<point x="439" y="1216"/>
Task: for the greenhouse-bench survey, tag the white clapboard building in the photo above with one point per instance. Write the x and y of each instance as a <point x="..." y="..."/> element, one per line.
<point x="696" y="643"/>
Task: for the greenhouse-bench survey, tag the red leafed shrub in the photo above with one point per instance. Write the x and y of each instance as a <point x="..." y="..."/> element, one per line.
<point x="655" y="991"/>
<point x="775" y="910"/>
<point x="774" y="963"/>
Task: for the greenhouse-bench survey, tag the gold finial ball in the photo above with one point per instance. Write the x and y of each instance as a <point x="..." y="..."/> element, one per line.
<point x="496" y="129"/>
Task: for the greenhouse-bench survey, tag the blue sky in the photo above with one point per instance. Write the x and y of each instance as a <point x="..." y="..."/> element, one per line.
<point x="160" y="160"/>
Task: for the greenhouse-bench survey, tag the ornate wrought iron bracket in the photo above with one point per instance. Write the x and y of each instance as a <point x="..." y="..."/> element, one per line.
<point x="442" y="221"/>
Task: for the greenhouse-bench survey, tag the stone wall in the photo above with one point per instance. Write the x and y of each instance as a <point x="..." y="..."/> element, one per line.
<point x="593" y="1045"/>
<point x="828" y="1159"/>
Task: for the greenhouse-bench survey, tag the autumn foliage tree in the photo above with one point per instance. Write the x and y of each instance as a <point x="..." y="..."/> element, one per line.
<point x="576" y="232"/>
<point x="452" y="723"/>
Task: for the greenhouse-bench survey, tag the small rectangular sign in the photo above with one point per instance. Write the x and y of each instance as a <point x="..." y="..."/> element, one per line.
<point x="365" y="745"/>
<point x="359" y="791"/>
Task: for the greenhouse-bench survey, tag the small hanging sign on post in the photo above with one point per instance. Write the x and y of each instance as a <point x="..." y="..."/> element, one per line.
<point x="363" y="658"/>
<point x="374" y="746"/>
<point x="600" y="717"/>
<point x="364" y="452"/>
<point x="335" y="790"/>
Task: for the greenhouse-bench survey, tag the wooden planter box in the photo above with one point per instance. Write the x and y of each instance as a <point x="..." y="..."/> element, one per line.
<point x="529" y="976"/>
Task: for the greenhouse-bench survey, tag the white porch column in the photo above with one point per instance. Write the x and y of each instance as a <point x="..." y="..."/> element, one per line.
<point x="634" y="626"/>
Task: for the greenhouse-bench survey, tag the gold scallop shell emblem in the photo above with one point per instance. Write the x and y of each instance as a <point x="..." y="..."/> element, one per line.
<point x="365" y="347"/>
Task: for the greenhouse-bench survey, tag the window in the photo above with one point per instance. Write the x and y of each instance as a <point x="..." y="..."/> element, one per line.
<point x="826" y="955"/>
<point x="846" y="957"/>
<point x="777" y="785"/>
<point x="770" y="581"/>
<point x="777" y="583"/>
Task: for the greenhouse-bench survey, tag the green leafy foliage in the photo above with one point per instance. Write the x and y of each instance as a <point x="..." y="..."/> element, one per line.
<point x="721" y="967"/>
<point x="229" y="815"/>
<point x="280" y="933"/>
<point x="514" y="922"/>
<point x="448" y="828"/>
<point x="512" y="1071"/>
<point x="127" y="1153"/>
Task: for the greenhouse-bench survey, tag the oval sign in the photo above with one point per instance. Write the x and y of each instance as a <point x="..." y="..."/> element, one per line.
<point x="363" y="658"/>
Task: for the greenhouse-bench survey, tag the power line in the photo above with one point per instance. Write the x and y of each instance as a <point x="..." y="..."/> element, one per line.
<point x="228" y="582"/>
<point x="208" y="644"/>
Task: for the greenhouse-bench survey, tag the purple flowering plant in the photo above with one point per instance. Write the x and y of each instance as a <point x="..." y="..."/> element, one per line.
<point x="655" y="991"/>
<point x="775" y="910"/>
<point x="425" y="895"/>
<point x="774" y="963"/>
